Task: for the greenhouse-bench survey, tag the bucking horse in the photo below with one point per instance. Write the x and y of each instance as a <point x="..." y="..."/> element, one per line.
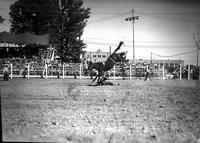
<point x="102" y="67"/>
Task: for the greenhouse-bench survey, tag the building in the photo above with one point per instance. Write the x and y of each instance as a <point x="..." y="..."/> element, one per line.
<point x="97" y="56"/>
<point x="169" y="63"/>
<point x="160" y="63"/>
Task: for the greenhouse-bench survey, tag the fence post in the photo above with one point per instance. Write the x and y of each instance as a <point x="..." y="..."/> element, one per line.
<point x="28" y="68"/>
<point x="188" y="72"/>
<point x="163" y="70"/>
<point x="46" y="69"/>
<point x="58" y="70"/>
<point x="114" y="73"/>
<point x="63" y="70"/>
<point x="180" y="72"/>
<point x="80" y="68"/>
<point x="130" y="71"/>
<point x="11" y="70"/>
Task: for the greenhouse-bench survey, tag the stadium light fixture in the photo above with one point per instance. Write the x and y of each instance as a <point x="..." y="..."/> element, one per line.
<point x="133" y="18"/>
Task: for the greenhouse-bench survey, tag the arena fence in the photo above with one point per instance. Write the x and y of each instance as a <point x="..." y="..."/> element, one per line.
<point x="79" y="70"/>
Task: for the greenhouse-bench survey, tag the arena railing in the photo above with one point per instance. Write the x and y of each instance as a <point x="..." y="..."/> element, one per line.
<point x="78" y="70"/>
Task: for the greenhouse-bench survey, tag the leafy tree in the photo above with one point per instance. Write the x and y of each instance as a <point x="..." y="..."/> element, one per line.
<point x="196" y="38"/>
<point x="33" y="16"/>
<point x="64" y="21"/>
<point x="70" y="28"/>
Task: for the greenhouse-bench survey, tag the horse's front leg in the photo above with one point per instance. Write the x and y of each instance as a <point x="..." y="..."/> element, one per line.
<point x="98" y="81"/>
<point x="99" y="77"/>
<point x="95" y="78"/>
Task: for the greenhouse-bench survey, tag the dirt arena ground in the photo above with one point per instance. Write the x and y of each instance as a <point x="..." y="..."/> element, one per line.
<point x="68" y="110"/>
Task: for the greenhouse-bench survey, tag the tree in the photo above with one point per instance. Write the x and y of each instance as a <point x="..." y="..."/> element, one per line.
<point x="196" y="38"/>
<point x="68" y="38"/>
<point x="64" y="20"/>
<point x="33" y="16"/>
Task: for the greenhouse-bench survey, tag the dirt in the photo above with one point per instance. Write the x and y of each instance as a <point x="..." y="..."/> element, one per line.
<point x="68" y="110"/>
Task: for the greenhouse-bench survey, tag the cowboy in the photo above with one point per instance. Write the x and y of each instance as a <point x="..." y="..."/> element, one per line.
<point x="104" y="82"/>
<point x="5" y="73"/>
<point x="147" y="73"/>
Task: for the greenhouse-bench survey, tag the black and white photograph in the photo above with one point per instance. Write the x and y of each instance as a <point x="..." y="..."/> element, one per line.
<point x="100" y="71"/>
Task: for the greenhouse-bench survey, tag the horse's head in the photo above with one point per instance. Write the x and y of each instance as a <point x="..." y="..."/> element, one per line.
<point x="123" y="56"/>
<point x="119" y="57"/>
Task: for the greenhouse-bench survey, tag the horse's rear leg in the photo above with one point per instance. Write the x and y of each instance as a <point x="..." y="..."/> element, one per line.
<point x="95" y="78"/>
<point x="99" y="77"/>
<point x="98" y="81"/>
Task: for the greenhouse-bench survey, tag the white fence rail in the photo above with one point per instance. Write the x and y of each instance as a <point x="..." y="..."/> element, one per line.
<point x="78" y="70"/>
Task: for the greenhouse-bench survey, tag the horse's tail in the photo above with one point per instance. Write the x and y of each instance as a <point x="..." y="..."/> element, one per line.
<point x="120" y="44"/>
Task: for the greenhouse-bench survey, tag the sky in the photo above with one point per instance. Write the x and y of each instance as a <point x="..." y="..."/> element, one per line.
<point x="165" y="27"/>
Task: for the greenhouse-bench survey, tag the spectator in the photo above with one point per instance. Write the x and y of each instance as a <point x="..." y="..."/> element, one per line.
<point x="147" y="73"/>
<point x="5" y="73"/>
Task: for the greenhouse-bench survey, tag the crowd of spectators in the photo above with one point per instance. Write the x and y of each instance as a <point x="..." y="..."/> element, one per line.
<point x="38" y="67"/>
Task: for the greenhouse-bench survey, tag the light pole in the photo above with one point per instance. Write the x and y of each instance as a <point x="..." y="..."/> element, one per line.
<point x="133" y="18"/>
<point x="197" y="56"/>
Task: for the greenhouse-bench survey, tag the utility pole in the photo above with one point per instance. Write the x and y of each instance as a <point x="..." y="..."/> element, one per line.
<point x="110" y="51"/>
<point x="133" y="18"/>
<point x="197" y="56"/>
<point x="133" y="37"/>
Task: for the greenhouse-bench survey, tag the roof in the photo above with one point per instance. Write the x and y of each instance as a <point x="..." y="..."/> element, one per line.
<point x="24" y="38"/>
